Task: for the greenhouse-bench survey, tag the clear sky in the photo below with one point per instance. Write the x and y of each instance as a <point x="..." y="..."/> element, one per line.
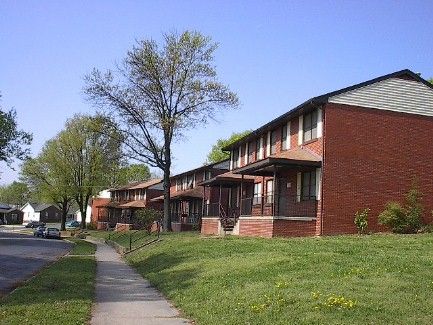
<point x="274" y="54"/>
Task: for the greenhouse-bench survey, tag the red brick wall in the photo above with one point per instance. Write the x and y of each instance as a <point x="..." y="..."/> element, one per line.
<point x="370" y="158"/>
<point x="209" y="226"/>
<point x="294" y="228"/>
<point x="103" y="214"/>
<point x="256" y="227"/>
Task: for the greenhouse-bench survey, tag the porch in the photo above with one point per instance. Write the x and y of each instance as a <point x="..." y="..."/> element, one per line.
<point x="272" y="197"/>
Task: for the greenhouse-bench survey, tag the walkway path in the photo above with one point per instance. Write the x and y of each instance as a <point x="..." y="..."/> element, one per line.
<point x="124" y="297"/>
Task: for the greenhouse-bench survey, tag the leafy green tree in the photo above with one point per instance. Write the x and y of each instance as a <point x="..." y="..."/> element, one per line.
<point x="132" y="173"/>
<point x="16" y="193"/>
<point x="13" y="142"/>
<point x="48" y="177"/>
<point x="217" y="154"/>
<point x="156" y="94"/>
<point x="90" y="156"/>
<point x="430" y="80"/>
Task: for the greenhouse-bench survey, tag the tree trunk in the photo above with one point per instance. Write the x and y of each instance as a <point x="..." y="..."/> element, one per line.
<point x="65" y="204"/>
<point x="166" y="182"/>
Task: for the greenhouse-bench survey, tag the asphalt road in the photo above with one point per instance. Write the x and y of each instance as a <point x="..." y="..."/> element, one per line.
<point x="21" y="256"/>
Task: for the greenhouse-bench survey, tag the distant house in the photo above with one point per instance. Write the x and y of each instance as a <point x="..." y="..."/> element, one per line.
<point x="88" y="214"/>
<point x="41" y="212"/>
<point x="10" y="215"/>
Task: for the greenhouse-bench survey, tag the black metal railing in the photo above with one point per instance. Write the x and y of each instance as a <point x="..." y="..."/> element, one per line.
<point x="134" y="239"/>
<point x="192" y="218"/>
<point x="267" y="205"/>
<point x="280" y="205"/>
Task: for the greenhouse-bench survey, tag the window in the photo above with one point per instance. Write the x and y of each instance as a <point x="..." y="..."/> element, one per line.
<point x="257" y="193"/>
<point x="178" y="184"/>
<point x="273" y="140"/>
<point x="310" y="126"/>
<point x="284" y="138"/>
<point x="258" y="147"/>
<point x="308" y="186"/>
<point x="236" y="158"/>
<point x="189" y="181"/>
<point x="270" y="191"/>
<point x="207" y="175"/>
<point x="250" y="152"/>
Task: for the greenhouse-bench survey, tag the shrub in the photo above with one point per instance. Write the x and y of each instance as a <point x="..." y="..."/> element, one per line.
<point x="91" y="226"/>
<point x="404" y="219"/>
<point x="146" y="217"/>
<point x="361" y="220"/>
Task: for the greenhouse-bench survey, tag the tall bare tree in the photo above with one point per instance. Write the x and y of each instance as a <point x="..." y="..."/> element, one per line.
<point x="157" y="93"/>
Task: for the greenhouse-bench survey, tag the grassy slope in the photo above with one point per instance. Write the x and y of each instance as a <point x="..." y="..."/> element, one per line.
<point x="60" y="294"/>
<point x="122" y="238"/>
<point x="388" y="278"/>
<point x="82" y="247"/>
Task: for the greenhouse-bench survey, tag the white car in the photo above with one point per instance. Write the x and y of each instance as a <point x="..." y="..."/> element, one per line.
<point x="52" y="233"/>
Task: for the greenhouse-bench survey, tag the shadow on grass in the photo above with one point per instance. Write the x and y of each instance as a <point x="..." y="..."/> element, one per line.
<point x="161" y="269"/>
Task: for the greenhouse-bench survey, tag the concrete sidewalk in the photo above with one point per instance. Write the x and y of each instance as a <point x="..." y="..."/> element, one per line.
<point x="124" y="297"/>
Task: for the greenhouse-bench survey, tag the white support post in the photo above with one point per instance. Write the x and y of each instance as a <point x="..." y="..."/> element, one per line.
<point x="301" y="130"/>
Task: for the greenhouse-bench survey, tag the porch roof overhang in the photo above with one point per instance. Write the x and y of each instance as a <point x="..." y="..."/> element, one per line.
<point x="195" y="193"/>
<point x="110" y="204"/>
<point x="290" y="159"/>
<point x="227" y="179"/>
<point x="133" y="204"/>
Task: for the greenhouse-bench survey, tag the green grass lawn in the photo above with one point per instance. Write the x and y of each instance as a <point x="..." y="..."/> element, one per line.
<point x="122" y="238"/>
<point x="82" y="247"/>
<point x="377" y="279"/>
<point x="61" y="293"/>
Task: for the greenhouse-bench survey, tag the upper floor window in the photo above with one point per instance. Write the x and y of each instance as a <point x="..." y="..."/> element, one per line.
<point x="207" y="174"/>
<point x="310" y="126"/>
<point x="178" y="184"/>
<point x="236" y="158"/>
<point x="250" y="152"/>
<point x="273" y="144"/>
<point x="258" y="149"/>
<point x="308" y="186"/>
<point x="284" y="145"/>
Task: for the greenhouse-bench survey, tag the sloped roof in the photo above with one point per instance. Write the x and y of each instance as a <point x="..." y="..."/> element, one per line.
<point x="227" y="178"/>
<point x="137" y="185"/>
<point x="322" y="99"/>
<point x="195" y="193"/>
<point x="146" y="184"/>
<point x="133" y="204"/>
<point x="43" y="206"/>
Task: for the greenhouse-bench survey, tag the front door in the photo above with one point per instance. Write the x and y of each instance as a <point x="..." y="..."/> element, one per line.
<point x="281" y="197"/>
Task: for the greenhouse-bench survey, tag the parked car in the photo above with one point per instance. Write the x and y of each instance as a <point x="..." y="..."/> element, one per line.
<point x="35" y="224"/>
<point x="40" y="231"/>
<point x="52" y="233"/>
<point x="72" y="224"/>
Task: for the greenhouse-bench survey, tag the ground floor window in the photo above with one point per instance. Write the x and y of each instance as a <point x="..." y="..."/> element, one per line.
<point x="257" y="193"/>
<point x="308" y="185"/>
<point x="270" y="191"/>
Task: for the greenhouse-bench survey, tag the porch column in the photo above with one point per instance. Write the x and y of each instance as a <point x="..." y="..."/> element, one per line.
<point x="262" y="195"/>
<point x="219" y="201"/>
<point x="240" y="196"/>
<point x="203" y="201"/>
<point x="274" y="201"/>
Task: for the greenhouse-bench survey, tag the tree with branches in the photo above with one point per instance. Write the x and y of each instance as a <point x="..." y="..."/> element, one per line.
<point x="13" y="142"/>
<point x="158" y="93"/>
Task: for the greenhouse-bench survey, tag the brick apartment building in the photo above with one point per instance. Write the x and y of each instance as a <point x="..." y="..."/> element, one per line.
<point x="187" y="198"/>
<point x="118" y="210"/>
<point x="308" y="171"/>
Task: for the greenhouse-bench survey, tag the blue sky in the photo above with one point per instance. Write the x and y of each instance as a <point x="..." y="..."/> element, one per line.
<point x="274" y="54"/>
